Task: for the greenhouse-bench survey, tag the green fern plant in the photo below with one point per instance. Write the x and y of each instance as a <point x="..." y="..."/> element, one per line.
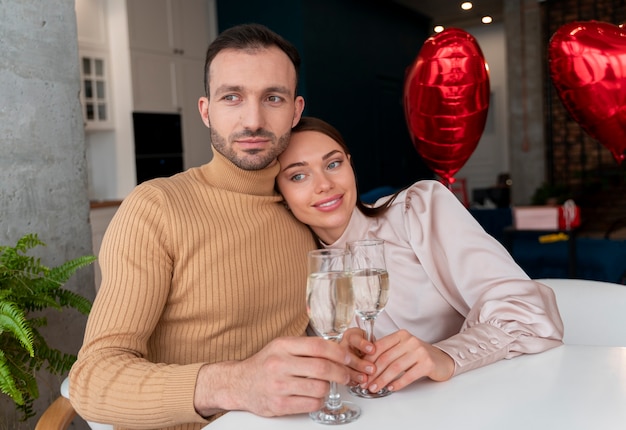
<point x="27" y="286"/>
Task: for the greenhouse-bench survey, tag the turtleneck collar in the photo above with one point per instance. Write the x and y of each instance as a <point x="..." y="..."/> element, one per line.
<point x="222" y="173"/>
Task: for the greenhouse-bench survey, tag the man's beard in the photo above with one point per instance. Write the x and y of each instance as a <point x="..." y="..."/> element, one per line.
<point x="254" y="159"/>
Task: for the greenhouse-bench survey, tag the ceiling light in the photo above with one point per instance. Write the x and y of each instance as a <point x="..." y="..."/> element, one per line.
<point x="438" y="28"/>
<point x="486" y="19"/>
<point x="466" y="5"/>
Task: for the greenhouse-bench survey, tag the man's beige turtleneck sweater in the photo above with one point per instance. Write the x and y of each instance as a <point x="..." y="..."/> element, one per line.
<point x="202" y="267"/>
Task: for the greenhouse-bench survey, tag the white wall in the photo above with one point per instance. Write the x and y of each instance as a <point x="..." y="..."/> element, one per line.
<point x="111" y="153"/>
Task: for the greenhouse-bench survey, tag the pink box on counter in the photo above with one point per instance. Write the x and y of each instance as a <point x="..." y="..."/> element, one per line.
<point x="536" y="217"/>
<point x="545" y="217"/>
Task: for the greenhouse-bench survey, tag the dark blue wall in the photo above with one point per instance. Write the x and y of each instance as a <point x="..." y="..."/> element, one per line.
<point x="355" y="54"/>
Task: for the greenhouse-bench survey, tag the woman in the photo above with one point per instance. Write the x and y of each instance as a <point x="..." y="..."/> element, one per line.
<point x="457" y="299"/>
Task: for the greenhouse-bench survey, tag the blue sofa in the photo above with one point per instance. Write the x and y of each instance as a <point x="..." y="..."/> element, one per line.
<point x="596" y="259"/>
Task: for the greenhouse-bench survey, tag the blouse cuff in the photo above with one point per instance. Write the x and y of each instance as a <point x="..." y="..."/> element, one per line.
<point x="476" y="346"/>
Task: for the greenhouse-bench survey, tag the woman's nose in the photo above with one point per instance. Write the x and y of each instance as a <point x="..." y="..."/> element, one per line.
<point x="323" y="184"/>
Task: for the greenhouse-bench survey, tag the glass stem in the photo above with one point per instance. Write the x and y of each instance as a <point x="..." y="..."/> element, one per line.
<point x="334" y="398"/>
<point x="333" y="402"/>
<point x="369" y="328"/>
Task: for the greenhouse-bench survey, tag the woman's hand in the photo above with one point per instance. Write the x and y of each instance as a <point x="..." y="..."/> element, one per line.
<point x="355" y="341"/>
<point x="401" y="359"/>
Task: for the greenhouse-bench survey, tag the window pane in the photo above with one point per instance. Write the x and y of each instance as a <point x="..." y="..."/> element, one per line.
<point x="102" y="112"/>
<point x="99" y="67"/>
<point x="100" y="90"/>
<point x="88" y="89"/>
<point x="86" y="66"/>
<point x="90" y="111"/>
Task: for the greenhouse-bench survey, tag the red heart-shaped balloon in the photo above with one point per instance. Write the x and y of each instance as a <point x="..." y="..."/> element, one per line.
<point x="446" y="99"/>
<point x="588" y="69"/>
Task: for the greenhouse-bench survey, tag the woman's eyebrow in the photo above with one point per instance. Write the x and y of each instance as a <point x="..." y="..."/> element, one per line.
<point x="296" y="164"/>
<point x="330" y="154"/>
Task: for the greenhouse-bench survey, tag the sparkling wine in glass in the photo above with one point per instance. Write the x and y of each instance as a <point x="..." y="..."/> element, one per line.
<point x="370" y="283"/>
<point x="330" y="305"/>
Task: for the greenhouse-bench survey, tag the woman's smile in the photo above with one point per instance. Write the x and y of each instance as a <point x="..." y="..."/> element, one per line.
<point x="330" y="204"/>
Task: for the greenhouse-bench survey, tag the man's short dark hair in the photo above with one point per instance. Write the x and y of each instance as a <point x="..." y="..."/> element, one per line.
<point x="248" y="37"/>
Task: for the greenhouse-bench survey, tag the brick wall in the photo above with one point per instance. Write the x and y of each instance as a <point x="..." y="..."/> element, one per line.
<point x="597" y="182"/>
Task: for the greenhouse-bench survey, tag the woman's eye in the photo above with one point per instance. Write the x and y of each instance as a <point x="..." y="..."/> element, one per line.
<point x="334" y="164"/>
<point x="297" y="177"/>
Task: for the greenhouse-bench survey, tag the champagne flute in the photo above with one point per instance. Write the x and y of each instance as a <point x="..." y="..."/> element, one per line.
<point x="330" y="305"/>
<point x="370" y="283"/>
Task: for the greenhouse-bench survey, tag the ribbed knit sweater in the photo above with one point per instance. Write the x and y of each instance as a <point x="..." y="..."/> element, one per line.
<point x="202" y="267"/>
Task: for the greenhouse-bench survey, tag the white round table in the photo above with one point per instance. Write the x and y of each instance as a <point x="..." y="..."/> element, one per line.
<point x="569" y="387"/>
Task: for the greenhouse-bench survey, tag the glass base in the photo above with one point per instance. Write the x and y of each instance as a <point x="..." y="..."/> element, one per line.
<point x="367" y="394"/>
<point x="345" y="413"/>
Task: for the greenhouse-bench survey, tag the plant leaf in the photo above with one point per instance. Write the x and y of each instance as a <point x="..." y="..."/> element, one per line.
<point x="27" y="285"/>
<point x="13" y="320"/>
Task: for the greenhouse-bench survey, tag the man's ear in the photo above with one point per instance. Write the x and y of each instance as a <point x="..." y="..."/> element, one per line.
<point x="299" y="108"/>
<point x="203" y="108"/>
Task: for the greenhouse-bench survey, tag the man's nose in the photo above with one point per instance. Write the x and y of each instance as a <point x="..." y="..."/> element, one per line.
<point x="253" y="116"/>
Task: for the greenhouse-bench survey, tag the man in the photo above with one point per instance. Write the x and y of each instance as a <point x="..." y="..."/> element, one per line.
<point x="201" y="308"/>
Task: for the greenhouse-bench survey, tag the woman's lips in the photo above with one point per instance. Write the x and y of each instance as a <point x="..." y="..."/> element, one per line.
<point x="329" y="204"/>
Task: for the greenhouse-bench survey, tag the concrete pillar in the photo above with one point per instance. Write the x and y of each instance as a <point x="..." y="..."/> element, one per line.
<point x="43" y="182"/>
<point x="522" y="21"/>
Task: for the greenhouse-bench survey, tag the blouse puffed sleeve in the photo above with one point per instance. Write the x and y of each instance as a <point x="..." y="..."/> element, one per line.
<point x="506" y="313"/>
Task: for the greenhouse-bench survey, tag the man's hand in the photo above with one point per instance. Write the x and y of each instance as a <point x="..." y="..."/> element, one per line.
<point x="288" y="376"/>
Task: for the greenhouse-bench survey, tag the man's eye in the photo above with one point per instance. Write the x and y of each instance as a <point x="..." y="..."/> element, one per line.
<point x="231" y="98"/>
<point x="275" y="99"/>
